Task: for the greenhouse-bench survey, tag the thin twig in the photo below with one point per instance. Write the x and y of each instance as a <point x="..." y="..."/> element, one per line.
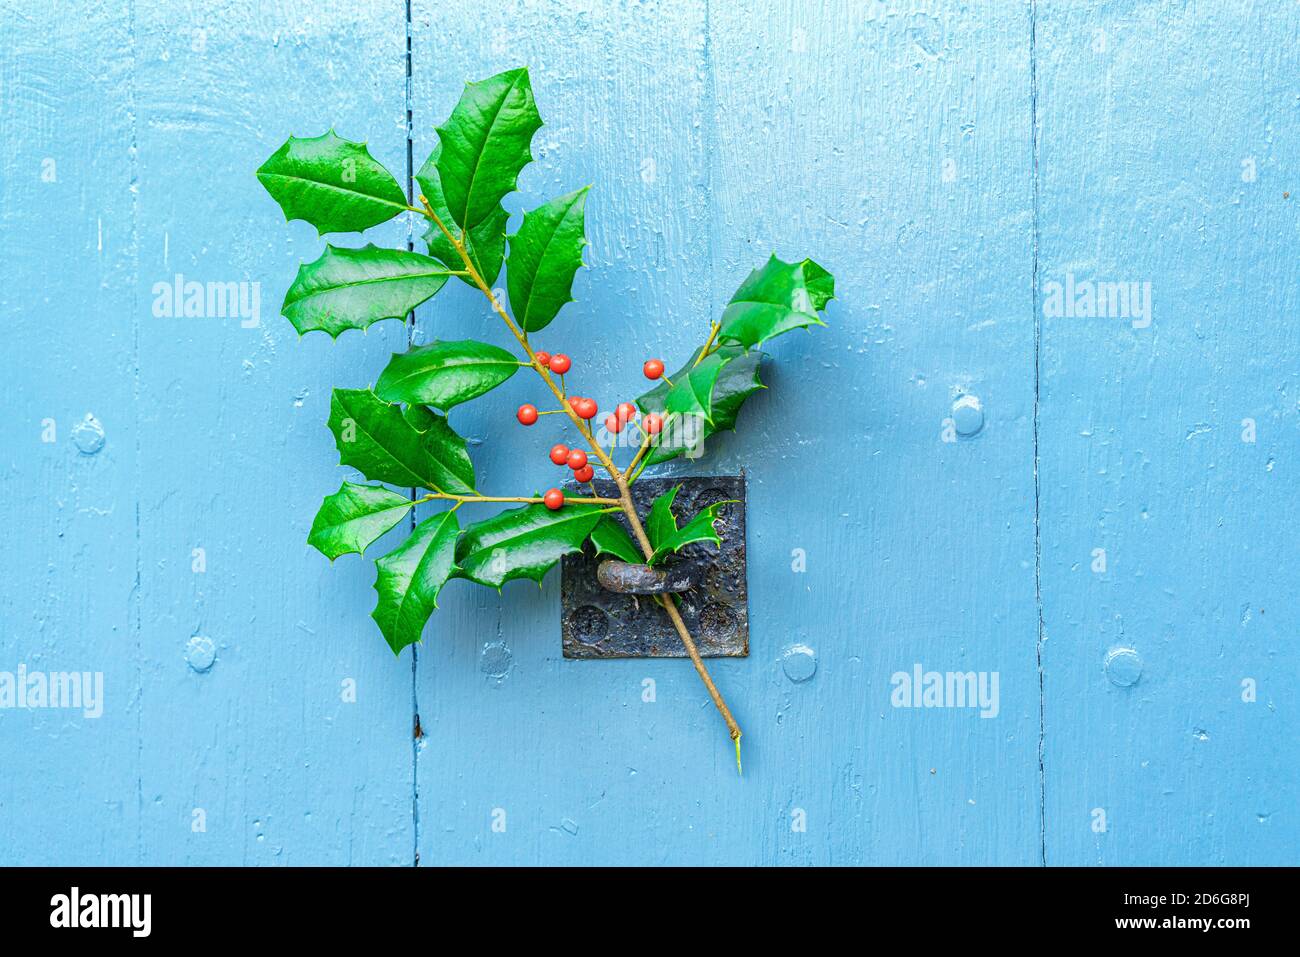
<point x="461" y="499"/>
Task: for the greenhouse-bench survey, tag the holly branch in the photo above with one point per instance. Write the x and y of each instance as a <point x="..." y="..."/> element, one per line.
<point x="397" y="433"/>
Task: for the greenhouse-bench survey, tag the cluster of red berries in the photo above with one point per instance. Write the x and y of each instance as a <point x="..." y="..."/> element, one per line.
<point x="558" y="363"/>
<point x="651" y="423"/>
<point x="575" y="459"/>
<point x="586" y="408"/>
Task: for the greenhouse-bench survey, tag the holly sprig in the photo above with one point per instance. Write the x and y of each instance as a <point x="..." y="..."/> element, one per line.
<point x="397" y="433"/>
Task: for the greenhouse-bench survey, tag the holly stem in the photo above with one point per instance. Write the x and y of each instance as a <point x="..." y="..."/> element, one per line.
<point x="522" y="339"/>
<point x="645" y="444"/>
<point x="624" y="500"/>
<point x="634" y="520"/>
<point x="707" y="351"/>
<point x="461" y="499"/>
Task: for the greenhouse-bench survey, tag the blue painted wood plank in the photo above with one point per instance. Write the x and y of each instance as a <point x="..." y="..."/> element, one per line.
<point x="891" y="146"/>
<point x="1168" y="437"/>
<point x="70" y="434"/>
<point x="294" y="770"/>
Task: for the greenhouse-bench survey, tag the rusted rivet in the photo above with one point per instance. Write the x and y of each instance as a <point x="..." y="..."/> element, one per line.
<point x="589" y="624"/>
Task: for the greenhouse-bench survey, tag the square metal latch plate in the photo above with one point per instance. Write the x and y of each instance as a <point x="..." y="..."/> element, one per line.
<point x="596" y="623"/>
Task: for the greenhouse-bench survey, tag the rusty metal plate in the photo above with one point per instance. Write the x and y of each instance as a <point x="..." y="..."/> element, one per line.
<point x="595" y="623"/>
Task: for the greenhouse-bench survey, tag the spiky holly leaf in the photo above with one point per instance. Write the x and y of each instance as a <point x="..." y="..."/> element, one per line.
<point x="332" y="183"/>
<point x="611" y="538"/>
<point x="693" y="393"/>
<point x="485" y="243"/>
<point x="416" y="448"/>
<point x="737" y="380"/>
<point x="409" y="578"/>
<point x="698" y="529"/>
<point x="661" y="522"/>
<point x="353" y="517"/>
<point x="523" y="542"/>
<point x="352" y="288"/>
<point x="445" y="374"/>
<point x="484" y="144"/>
<point x="444" y="445"/>
<point x="544" y="257"/>
<point x="777" y="298"/>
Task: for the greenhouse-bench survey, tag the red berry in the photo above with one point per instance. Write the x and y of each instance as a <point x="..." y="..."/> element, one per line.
<point x="553" y="498"/>
<point x="560" y="454"/>
<point x="613" y="423"/>
<point x="527" y="414"/>
<point x="543" y="358"/>
<point x="584" y="474"/>
<point x="586" y="408"/>
<point x="653" y="368"/>
<point x="560" y="363"/>
<point x="573" y="402"/>
<point x="626" y="411"/>
<point x="577" y="459"/>
<point x="652" y="423"/>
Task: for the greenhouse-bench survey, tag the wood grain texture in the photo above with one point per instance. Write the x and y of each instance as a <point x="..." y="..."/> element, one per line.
<point x="71" y="566"/>
<point x="215" y="439"/>
<point x="946" y="163"/>
<point x="1167" y="142"/>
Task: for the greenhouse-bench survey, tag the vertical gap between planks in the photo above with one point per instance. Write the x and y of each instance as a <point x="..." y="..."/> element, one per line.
<point x="410" y="340"/>
<point x="1038" y="365"/>
<point x="137" y="597"/>
<point x="711" y="152"/>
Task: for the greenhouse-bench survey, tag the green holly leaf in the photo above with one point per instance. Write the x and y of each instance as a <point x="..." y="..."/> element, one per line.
<point x="485" y="243"/>
<point x="416" y="448"/>
<point x="445" y="374"/>
<point x="484" y="144"/>
<point x="353" y="517"/>
<point x="699" y="529"/>
<point x="448" y="449"/>
<point x="544" y="257"/>
<point x="693" y="393"/>
<point x="777" y="298"/>
<point x="410" y="577"/>
<point x="523" y="542"/>
<point x="737" y="380"/>
<point x="352" y="288"/>
<point x="611" y="538"/>
<point x="661" y="524"/>
<point x="332" y="183"/>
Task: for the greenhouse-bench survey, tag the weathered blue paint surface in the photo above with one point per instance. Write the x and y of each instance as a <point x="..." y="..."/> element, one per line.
<point x="1097" y="510"/>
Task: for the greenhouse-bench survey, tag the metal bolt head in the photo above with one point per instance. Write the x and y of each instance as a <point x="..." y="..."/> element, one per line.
<point x="967" y="415"/>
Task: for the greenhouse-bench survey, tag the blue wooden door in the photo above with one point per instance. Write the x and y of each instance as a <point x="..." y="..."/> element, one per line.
<point x="1087" y="511"/>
